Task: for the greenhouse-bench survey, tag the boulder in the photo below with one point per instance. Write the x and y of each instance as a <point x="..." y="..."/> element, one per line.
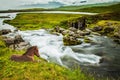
<point x="73" y="29"/>
<point x="59" y="29"/>
<point x="87" y="40"/>
<point x="108" y="29"/>
<point x="82" y="33"/>
<point x="117" y="41"/>
<point x="18" y="39"/>
<point x="5" y="31"/>
<point x="97" y="28"/>
<point x="70" y="40"/>
<point x="116" y="35"/>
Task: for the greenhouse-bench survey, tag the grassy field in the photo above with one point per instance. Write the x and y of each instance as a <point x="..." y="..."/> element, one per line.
<point x="97" y="8"/>
<point x="30" y="21"/>
<point x="10" y="70"/>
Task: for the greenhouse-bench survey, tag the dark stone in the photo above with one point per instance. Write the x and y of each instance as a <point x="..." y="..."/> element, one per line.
<point x="70" y="40"/>
<point x="108" y="29"/>
<point x="117" y="35"/>
<point x="18" y="39"/>
<point x="79" y="24"/>
<point x="5" y="31"/>
<point x="117" y="41"/>
<point x="98" y="28"/>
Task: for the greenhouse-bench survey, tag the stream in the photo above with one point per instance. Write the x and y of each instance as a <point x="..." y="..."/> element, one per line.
<point x="84" y="55"/>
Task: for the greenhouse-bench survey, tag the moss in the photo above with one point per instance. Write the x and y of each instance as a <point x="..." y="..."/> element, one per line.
<point x="110" y="27"/>
<point x="87" y="40"/>
<point x="70" y="40"/>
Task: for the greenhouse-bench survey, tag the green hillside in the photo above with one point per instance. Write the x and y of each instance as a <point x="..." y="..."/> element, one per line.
<point x="103" y="7"/>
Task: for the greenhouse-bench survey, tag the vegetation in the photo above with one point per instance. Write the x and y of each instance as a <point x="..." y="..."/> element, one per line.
<point x="24" y="10"/>
<point x="98" y="8"/>
<point x="30" y="21"/>
<point x="10" y="70"/>
<point x="109" y="27"/>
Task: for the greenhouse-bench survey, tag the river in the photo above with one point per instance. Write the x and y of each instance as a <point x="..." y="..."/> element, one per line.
<point x="84" y="55"/>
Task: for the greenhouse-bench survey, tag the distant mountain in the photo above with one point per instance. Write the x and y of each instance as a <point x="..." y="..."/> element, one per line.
<point x="77" y="7"/>
<point x="47" y="5"/>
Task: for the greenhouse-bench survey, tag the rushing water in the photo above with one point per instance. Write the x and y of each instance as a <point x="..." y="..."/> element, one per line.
<point x="52" y="49"/>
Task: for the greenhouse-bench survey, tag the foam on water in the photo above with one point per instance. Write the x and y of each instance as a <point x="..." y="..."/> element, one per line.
<point x="52" y="49"/>
<point x="51" y="46"/>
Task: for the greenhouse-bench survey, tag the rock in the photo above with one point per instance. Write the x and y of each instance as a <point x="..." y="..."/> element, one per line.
<point x="117" y="41"/>
<point x="18" y="39"/>
<point x="67" y="32"/>
<point x="81" y="33"/>
<point x="98" y="28"/>
<point x="87" y="40"/>
<point x="116" y="35"/>
<point x="59" y="29"/>
<point x="108" y="29"/>
<point x="105" y="59"/>
<point x="70" y="40"/>
<point x="73" y="29"/>
<point x="95" y="33"/>
<point x="9" y="42"/>
<point x="56" y="33"/>
<point x="5" y="31"/>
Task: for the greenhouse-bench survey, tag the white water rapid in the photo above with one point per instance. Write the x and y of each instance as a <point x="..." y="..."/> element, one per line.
<point x="51" y="46"/>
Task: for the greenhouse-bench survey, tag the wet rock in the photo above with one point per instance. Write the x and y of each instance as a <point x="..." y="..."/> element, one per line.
<point x="105" y="59"/>
<point x="97" y="28"/>
<point x="5" y="31"/>
<point x="56" y="33"/>
<point x="67" y="32"/>
<point x="108" y="29"/>
<point x="4" y="17"/>
<point x="117" y="41"/>
<point x="18" y="39"/>
<point x="70" y="40"/>
<point x="73" y="29"/>
<point x="95" y="33"/>
<point x="82" y="33"/>
<point x="87" y="40"/>
<point x="116" y="35"/>
<point x="59" y="29"/>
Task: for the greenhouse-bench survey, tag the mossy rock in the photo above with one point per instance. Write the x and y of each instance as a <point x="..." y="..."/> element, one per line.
<point x="108" y="29"/>
<point x="70" y="40"/>
<point x="87" y="40"/>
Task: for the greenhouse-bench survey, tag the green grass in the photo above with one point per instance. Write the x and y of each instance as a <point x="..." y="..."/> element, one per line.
<point x="30" y="21"/>
<point x="10" y="70"/>
<point x="98" y="8"/>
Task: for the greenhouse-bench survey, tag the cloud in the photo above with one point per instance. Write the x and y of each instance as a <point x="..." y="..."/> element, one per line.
<point x="8" y="4"/>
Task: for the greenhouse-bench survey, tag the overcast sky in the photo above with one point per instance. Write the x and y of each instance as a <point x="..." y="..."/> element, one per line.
<point x="8" y="4"/>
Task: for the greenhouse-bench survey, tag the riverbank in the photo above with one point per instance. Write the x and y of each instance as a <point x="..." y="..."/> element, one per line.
<point x="41" y="70"/>
<point x="33" y="21"/>
<point x="34" y="71"/>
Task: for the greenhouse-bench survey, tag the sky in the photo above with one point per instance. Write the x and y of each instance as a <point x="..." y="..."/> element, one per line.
<point x="9" y="4"/>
